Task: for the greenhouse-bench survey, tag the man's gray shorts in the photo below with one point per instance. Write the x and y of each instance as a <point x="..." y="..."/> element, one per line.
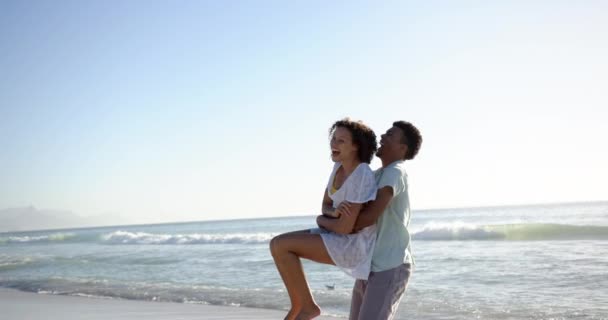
<point x="377" y="297"/>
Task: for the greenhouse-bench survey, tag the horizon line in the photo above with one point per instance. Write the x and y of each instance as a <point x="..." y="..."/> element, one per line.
<point x="292" y="216"/>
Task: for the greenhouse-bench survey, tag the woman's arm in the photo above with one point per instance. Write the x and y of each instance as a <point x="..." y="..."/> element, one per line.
<point x="327" y="207"/>
<point x="344" y="224"/>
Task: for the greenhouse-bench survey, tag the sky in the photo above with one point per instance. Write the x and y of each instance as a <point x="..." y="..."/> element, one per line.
<point x="158" y="111"/>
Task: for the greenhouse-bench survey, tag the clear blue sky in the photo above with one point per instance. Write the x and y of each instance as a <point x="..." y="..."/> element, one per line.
<point x="192" y="110"/>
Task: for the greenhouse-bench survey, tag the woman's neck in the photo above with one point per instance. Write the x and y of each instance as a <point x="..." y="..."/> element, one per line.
<point x="350" y="165"/>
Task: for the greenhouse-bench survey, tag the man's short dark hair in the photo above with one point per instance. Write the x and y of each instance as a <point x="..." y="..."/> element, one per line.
<point x="411" y="137"/>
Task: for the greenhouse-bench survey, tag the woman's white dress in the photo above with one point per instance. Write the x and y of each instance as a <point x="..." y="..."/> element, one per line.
<point x="352" y="252"/>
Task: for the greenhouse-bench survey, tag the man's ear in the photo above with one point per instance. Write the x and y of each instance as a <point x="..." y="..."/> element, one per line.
<point x="404" y="148"/>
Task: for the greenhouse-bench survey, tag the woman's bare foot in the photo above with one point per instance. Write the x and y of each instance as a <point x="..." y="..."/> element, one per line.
<point x="291" y="315"/>
<point x="309" y="312"/>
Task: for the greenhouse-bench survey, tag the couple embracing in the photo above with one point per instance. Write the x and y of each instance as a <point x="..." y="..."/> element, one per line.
<point x="363" y="226"/>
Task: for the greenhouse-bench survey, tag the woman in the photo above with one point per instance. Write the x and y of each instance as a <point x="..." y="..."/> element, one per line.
<point x="353" y="145"/>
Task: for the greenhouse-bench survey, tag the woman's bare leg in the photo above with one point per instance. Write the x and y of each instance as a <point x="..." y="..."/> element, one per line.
<point x="293" y="295"/>
<point x="286" y="250"/>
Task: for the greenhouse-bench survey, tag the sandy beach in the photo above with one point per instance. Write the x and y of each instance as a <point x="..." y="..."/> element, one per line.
<point x="25" y="305"/>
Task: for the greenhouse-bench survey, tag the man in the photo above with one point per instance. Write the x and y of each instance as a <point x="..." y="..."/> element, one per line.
<point x="378" y="297"/>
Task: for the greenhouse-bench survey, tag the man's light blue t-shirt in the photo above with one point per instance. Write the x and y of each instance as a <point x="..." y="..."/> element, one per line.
<point x="393" y="238"/>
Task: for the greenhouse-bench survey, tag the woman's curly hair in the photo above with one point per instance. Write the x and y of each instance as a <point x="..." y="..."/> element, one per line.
<point x="363" y="137"/>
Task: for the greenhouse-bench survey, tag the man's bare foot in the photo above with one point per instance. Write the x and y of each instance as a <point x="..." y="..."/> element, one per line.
<point x="309" y="312"/>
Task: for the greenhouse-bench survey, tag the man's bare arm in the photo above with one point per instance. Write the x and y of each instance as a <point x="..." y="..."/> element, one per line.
<point x="374" y="209"/>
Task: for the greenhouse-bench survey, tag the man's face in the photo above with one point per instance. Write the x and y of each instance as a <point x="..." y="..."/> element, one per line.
<point x="391" y="144"/>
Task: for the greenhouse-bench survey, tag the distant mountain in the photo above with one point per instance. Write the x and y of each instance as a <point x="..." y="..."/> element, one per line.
<point x="30" y="218"/>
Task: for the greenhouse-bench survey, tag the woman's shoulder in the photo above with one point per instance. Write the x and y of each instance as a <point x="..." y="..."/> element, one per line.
<point x="363" y="171"/>
<point x="364" y="168"/>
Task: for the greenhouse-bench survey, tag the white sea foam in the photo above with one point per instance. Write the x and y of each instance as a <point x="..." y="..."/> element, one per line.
<point x="53" y="237"/>
<point x="13" y="262"/>
<point x="454" y="231"/>
<point x="125" y="237"/>
<point x="525" y="231"/>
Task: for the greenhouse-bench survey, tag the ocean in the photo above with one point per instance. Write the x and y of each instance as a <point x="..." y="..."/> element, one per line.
<point x="522" y="262"/>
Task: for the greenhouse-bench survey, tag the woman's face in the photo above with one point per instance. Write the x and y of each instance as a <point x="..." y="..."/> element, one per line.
<point x="342" y="147"/>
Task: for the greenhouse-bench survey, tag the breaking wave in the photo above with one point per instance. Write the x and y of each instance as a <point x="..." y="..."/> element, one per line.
<point x="53" y="237"/>
<point x="509" y="232"/>
<point x="125" y="237"/>
<point x="455" y="231"/>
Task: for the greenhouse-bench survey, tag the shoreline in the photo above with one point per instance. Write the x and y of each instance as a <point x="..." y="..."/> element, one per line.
<point x="16" y="304"/>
